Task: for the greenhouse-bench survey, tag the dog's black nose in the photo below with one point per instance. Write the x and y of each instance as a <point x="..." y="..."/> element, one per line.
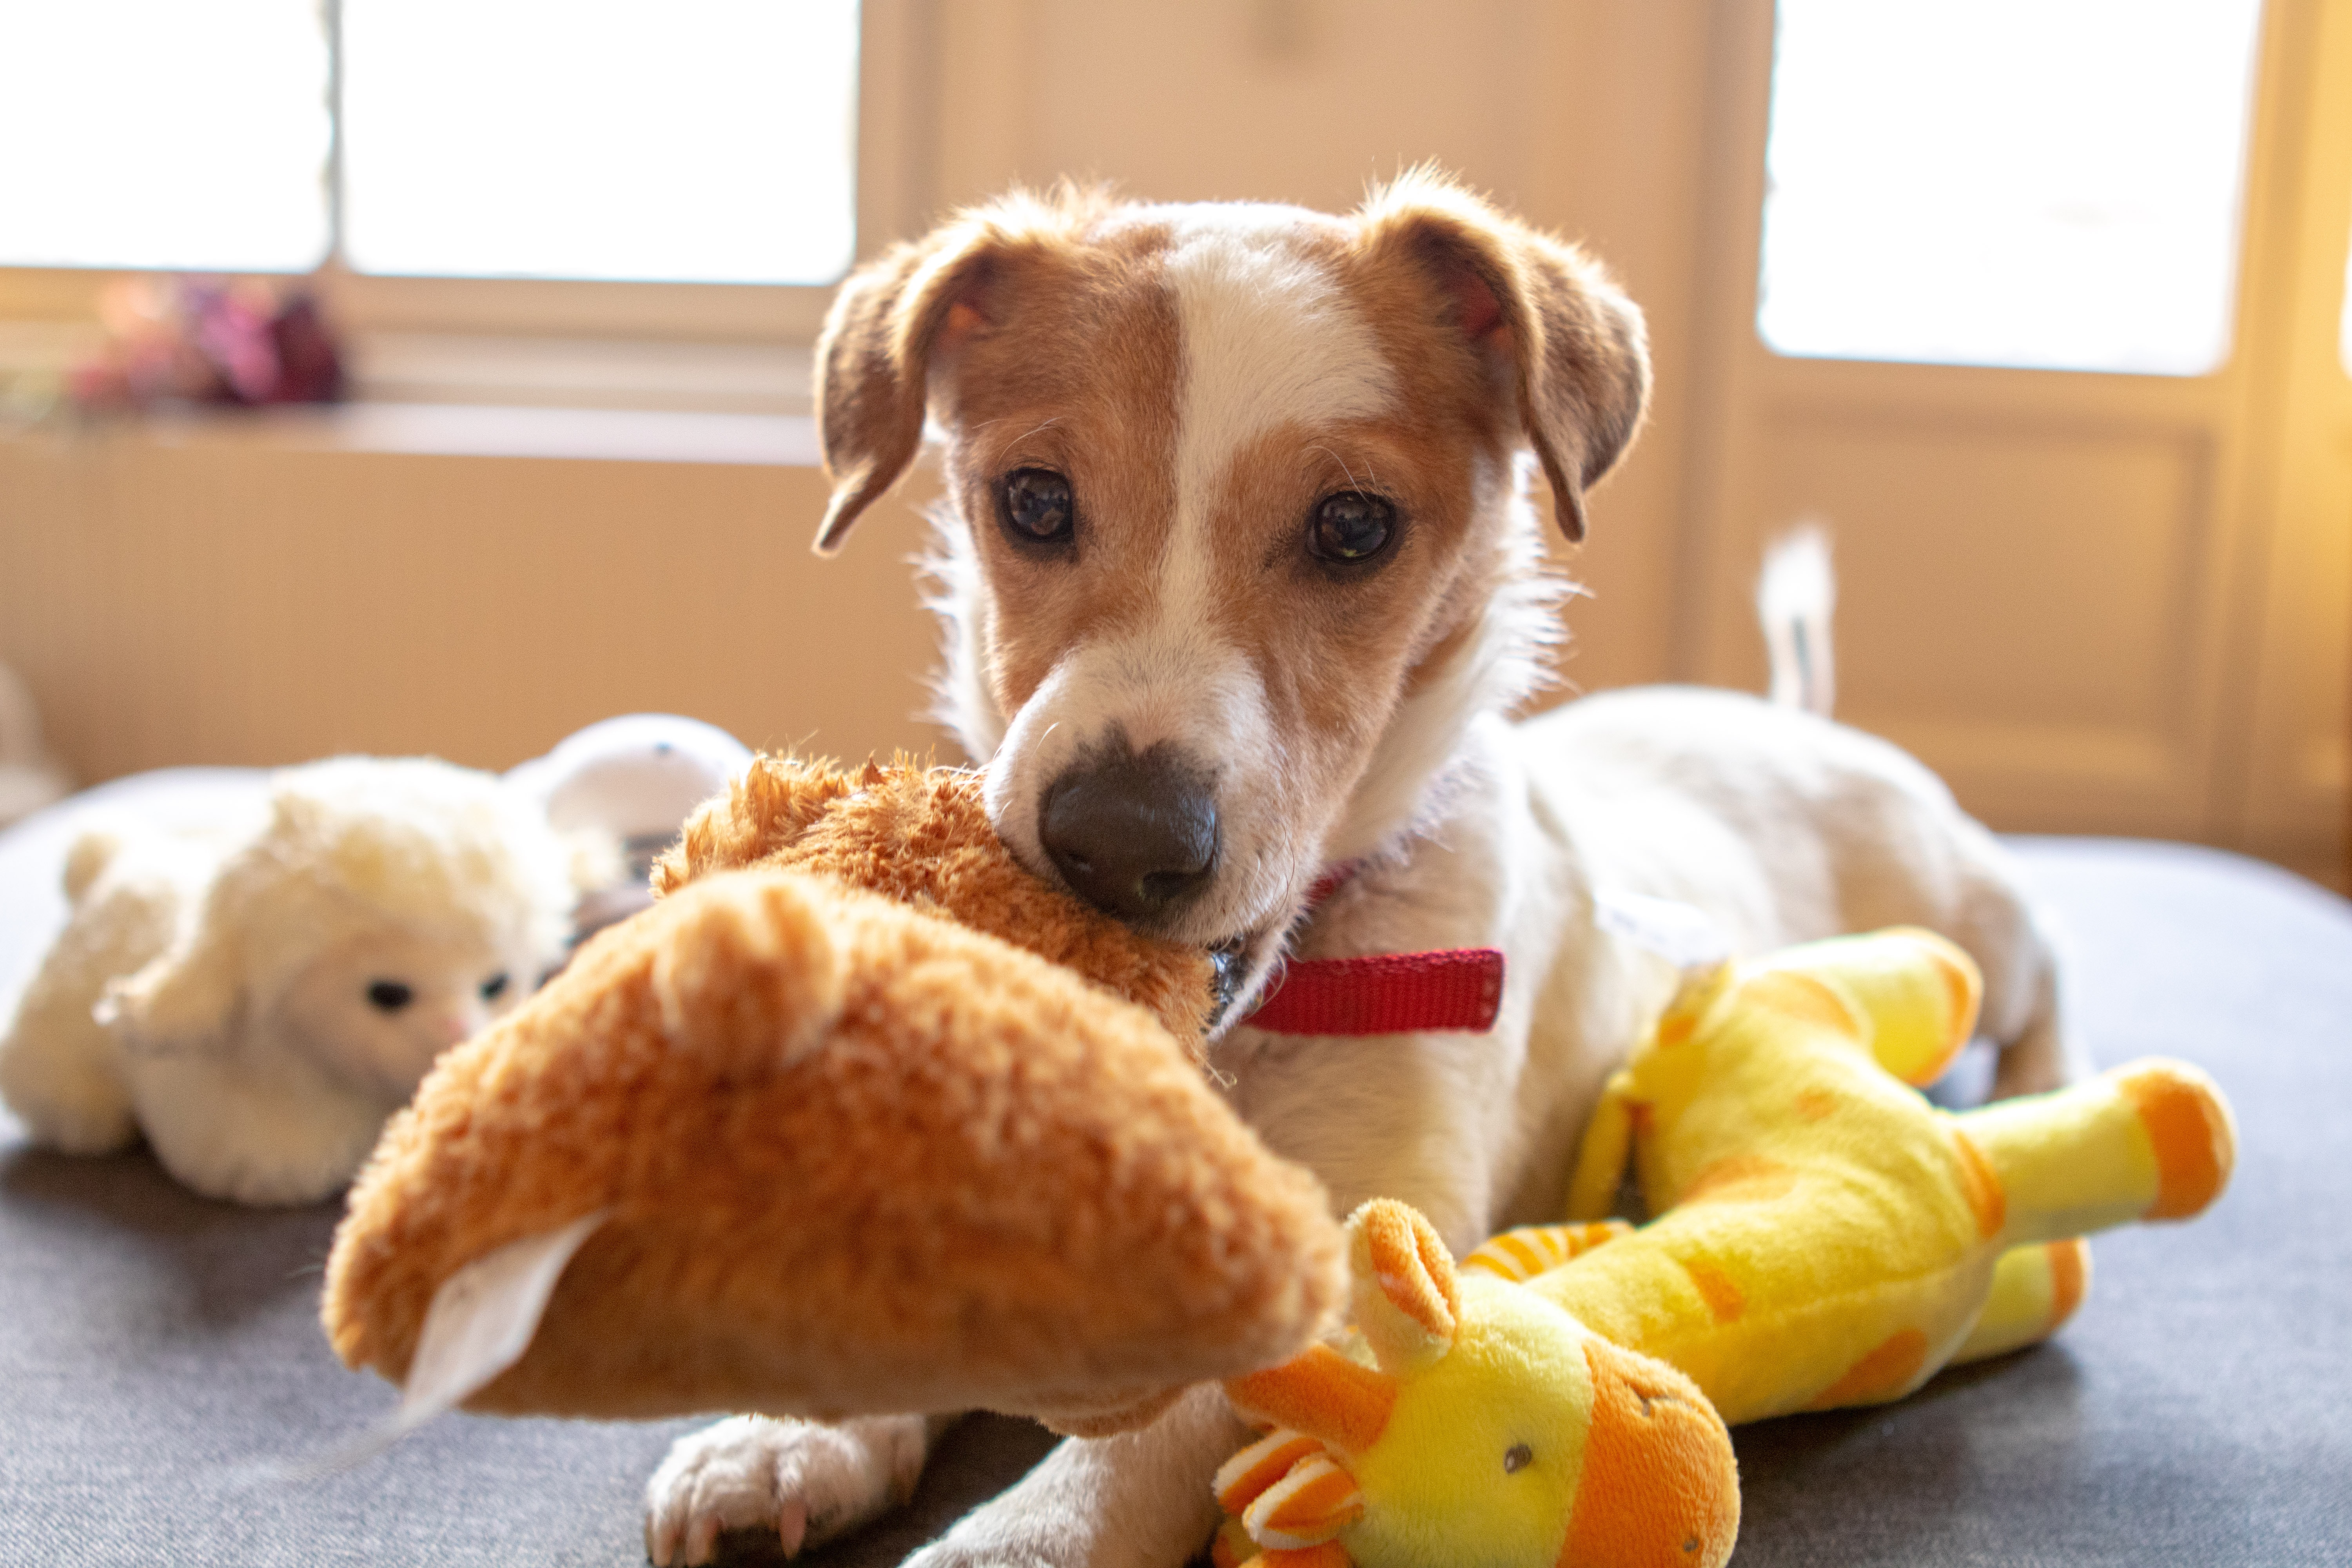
<point x="1135" y="835"/>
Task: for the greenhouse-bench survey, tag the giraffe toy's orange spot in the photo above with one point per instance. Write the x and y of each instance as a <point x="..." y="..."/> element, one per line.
<point x="1322" y="1393"/>
<point x="2070" y="1276"/>
<point x="1980" y="1183"/>
<point x="1802" y="996"/>
<point x="1520" y="1255"/>
<point x="1886" y="1373"/>
<point x="1717" y="1289"/>
<point x="1310" y="1505"/>
<point x="1243" y="1479"/>
<point x="1816" y="1105"/>
<point x="1659" y="1488"/>
<point x="2195" y="1144"/>
<point x="1512" y="1256"/>
<point x="1964" y="993"/>
<point x="1740" y="1179"/>
<point x="1675" y="1028"/>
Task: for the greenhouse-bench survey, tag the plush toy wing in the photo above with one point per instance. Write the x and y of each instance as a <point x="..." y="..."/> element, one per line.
<point x="854" y="1158"/>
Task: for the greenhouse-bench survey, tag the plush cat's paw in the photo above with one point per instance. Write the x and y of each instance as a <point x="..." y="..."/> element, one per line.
<point x="67" y="1102"/>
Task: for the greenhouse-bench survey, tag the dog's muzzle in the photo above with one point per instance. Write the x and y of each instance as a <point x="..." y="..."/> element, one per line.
<point x="1135" y="835"/>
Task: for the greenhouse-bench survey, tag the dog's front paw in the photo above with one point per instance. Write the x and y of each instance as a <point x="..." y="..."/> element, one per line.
<point x="806" y="1480"/>
<point x="994" y="1536"/>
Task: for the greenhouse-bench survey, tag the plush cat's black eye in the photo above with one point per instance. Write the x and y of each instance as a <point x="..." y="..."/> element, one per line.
<point x="389" y="995"/>
<point x="1350" y="527"/>
<point x="1518" y="1458"/>
<point x="495" y="986"/>
<point x="1037" y="506"/>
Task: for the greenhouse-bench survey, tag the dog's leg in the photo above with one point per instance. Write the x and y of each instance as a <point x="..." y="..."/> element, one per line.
<point x="1138" y="1501"/>
<point x="2025" y="996"/>
<point x="806" y="1480"/>
<point x="2042" y="1054"/>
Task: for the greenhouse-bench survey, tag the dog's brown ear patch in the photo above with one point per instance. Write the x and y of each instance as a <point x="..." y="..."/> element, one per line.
<point x="1576" y="354"/>
<point x="887" y="322"/>
<point x="902" y="310"/>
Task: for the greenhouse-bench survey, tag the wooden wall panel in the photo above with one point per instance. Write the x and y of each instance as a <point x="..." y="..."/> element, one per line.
<point x="231" y="601"/>
<point x="2046" y="670"/>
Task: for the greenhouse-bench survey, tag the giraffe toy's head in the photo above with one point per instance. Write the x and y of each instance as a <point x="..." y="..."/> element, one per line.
<point x="1469" y="1421"/>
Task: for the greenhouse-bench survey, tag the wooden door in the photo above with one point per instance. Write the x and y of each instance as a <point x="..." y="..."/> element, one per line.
<point x="2093" y="601"/>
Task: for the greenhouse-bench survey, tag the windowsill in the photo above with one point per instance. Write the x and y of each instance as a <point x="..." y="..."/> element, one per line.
<point x="487" y="430"/>
<point x="456" y="396"/>
<point x="580" y="372"/>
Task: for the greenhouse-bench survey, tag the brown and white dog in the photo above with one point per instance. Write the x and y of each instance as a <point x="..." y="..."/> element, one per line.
<point x="1241" y="583"/>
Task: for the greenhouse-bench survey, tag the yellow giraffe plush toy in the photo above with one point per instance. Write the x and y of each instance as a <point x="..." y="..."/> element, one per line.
<point x="1823" y="1238"/>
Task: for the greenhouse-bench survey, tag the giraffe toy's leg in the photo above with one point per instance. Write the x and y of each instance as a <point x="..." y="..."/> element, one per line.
<point x="2035" y="1288"/>
<point x="1607" y="1145"/>
<point x="1920" y="992"/>
<point x="2151" y="1140"/>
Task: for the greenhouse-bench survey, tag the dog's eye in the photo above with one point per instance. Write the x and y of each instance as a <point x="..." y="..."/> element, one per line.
<point x="1037" y="506"/>
<point x="495" y="986"/>
<point x="1351" y="526"/>
<point x="389" y="995"/>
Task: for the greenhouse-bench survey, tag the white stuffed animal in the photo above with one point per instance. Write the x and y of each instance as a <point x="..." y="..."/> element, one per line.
<point x="258" y="998"/>
<point x="634" y="778"/>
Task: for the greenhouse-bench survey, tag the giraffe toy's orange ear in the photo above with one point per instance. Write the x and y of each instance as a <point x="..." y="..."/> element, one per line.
<point x="1406" y="1299"/>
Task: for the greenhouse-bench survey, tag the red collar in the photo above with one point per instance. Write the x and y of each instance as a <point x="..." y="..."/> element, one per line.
<point x="1386" y="993"/>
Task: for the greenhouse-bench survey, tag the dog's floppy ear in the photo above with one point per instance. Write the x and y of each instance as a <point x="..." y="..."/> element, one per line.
<point x="1571" y="346"/>
<point x="889" y="319"/>
<point x="872" y="360"/>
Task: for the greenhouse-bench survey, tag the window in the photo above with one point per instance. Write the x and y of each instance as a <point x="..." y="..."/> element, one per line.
<point x="2048" y="183"/>
<point x="695" y="140"/>
<point x="154" y="133"/>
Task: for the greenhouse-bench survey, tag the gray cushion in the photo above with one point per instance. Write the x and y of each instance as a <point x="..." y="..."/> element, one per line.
<point x="154" y="1347"/>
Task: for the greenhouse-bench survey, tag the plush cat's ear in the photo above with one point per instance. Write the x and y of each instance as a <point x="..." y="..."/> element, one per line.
<point x="1407" y="1299"/>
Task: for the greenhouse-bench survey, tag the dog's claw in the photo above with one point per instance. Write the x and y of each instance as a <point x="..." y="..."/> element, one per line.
<point x="807" y="1480"/>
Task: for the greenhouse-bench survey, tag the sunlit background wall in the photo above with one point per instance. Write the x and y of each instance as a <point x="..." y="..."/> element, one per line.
<point x="2039" y="304"/>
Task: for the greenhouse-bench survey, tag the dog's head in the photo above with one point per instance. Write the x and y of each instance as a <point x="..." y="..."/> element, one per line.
<point x="1237" y="540"/>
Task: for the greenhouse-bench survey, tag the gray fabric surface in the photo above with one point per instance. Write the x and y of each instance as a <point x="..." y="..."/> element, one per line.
<point x="156" y="1348"/>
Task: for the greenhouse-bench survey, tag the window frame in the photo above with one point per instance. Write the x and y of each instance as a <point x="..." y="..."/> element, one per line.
<point x="895" y="90"/>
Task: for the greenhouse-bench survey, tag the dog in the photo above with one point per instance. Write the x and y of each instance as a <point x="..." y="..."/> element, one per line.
<point x="1242" y="579"/>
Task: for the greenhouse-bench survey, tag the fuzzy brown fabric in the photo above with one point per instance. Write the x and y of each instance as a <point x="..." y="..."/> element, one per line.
<point x="921" y="836"/>
<point x="859" y="1157"/>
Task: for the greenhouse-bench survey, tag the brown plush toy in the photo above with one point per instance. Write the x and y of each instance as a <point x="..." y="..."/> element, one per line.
<point x="874" y="1121"/>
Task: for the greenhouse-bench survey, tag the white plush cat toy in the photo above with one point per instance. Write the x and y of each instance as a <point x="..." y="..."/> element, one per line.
<point x="257" y="997"/>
